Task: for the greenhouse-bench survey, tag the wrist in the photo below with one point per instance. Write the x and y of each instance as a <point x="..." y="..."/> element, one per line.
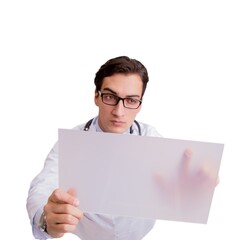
<point x="42" y="223"/>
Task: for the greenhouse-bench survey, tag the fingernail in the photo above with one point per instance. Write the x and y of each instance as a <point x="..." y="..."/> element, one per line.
<point x="188" y="153"/>
<point x="76" y="202"/>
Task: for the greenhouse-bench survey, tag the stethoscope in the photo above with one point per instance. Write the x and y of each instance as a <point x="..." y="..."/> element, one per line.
<point x="88" y="124"/>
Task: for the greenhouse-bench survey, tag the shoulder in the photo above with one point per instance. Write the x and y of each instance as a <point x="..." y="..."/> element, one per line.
<point x="89" y="125"/>
<point x="79" y="127"/>
<point x="148" y="130"/>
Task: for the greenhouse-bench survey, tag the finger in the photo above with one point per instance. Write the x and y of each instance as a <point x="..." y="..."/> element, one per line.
<point x="63" y="209"/>
<point x="58" y="230"/>
<point x="59" y="196"/>
<point x="185" y="162"/>
<point x="69" y="219"/>
<point x="58" y="224"/>
<point x="207" y="175"/>
<point x="159" y="181"/>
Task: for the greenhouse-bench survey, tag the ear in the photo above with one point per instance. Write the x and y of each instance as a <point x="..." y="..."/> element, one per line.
<point x="96" y="98"/>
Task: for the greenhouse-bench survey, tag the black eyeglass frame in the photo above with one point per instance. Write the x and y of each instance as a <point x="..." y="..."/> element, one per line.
<point x="118" y="99"/>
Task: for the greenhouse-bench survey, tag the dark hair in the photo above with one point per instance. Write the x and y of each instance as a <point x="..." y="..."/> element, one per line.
<point x="124" y="65"/>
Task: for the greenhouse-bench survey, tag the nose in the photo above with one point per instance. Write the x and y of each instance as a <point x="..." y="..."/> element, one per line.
<point x="118" y="110"/>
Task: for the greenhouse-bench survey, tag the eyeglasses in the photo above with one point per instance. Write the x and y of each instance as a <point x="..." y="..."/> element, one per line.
<point x="113" y="100"/>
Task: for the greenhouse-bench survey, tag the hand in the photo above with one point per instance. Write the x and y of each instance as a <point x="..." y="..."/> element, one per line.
<point x="202" y="176"/>
<point x="62" y="213"/>
<point x="188" y="181"/>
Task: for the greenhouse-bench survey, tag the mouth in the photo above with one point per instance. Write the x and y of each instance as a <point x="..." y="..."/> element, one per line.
<point x="117" y="123"/>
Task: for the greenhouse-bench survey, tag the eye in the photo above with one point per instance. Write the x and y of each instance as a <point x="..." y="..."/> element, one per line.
<point x="132" y="101"/>
<point x="109" y="97"/>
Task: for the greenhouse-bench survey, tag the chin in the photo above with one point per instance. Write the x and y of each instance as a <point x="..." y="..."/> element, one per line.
<point x="116" y="130"/>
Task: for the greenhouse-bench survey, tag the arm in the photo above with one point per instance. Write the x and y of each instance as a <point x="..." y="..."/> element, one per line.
<point x="42" y="196"/>
<point x="40" y="189"/>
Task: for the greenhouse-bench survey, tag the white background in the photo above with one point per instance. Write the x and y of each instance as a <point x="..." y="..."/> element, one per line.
<point x="49" y="53"/>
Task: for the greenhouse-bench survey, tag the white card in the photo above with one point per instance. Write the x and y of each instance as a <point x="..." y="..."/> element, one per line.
<point x="147" y="177"/>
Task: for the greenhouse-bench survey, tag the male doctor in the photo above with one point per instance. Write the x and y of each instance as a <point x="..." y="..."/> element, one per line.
<point x="120" y="85"/>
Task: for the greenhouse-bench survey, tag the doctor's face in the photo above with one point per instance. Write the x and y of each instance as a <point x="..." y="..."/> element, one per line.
<point x="118" y="119"/>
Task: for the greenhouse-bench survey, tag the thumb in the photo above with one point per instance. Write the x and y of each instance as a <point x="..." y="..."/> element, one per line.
<point x="72" y="192"/>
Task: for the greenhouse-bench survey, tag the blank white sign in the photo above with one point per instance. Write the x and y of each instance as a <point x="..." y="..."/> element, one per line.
<point x="148" y="177"/>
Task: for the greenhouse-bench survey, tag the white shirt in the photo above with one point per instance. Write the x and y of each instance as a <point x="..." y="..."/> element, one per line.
<point x="91" y="226"/>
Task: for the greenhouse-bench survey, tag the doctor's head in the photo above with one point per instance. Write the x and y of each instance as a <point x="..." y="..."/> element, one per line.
<point x="120" y="85"/>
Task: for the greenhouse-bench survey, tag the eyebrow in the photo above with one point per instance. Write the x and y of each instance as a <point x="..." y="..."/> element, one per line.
<point x="113" y="92"/>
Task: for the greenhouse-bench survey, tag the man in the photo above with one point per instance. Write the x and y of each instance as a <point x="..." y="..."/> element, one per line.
<point x="120" y="86"/>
